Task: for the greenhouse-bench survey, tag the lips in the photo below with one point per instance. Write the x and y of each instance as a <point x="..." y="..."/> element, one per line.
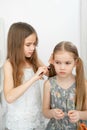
<point x="30" y="53"/>
<point x="62" y="72"/>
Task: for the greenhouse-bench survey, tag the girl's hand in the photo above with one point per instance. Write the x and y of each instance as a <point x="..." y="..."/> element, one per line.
<point x="46" y="70"/>
<point x="40" y="72"/>
<point x="74" y="116"/>
<point x="57" y="114"/>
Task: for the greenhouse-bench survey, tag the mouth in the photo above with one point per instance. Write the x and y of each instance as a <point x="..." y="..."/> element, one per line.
<point x="30" y="53"/>
<point x="62" y="72"/>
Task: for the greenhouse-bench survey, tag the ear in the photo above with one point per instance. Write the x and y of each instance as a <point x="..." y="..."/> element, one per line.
<point x="75" y="63"/>
<point x="51" y="59"/>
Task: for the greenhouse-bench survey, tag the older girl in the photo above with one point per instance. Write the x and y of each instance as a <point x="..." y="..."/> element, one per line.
<point x="22" y="73"/>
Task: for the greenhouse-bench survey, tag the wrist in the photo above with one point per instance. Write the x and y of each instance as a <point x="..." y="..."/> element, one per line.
<point x="81" y="115"/>
<point x="51" y="113"/>
<point x="34" y="78"/>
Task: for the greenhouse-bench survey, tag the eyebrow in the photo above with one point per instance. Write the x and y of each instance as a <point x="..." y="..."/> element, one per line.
<point x="30" y="43"/>
<point x="66" y="59"/>
<point x="70" y="60"/>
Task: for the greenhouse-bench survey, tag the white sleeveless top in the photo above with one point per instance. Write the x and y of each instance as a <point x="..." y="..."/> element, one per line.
<point x="26" y="112"/>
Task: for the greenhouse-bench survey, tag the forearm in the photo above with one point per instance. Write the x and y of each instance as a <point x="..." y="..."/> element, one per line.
<point x="48" y="113"/>
<point x="83" y="115"/>
<point x="18" y="91"/>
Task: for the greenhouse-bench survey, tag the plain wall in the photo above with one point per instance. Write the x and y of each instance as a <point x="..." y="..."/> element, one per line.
<point x="54" y="21"/>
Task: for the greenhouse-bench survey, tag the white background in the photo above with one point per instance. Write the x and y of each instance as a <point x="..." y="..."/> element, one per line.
<point x="54" y="21"/>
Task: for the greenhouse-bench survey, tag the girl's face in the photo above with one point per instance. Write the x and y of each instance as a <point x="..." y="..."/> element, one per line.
<point x="64" y="63"/>
<point x="29" y="45"/>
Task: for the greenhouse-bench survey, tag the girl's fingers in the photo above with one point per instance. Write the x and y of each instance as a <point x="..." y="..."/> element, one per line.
<point x="71" y="113"/>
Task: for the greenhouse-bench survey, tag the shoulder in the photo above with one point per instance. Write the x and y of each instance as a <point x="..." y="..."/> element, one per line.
<point x="48" y="83"/>
<point x="7" y="65"/>
<point x="52" y="79"/>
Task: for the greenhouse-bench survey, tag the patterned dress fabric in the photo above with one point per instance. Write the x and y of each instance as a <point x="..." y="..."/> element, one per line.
<point x="63" y="99"/>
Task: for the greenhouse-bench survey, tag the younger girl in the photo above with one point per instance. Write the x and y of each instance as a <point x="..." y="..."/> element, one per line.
<point x="65" y="94"/>
<point x="22" y="71"/>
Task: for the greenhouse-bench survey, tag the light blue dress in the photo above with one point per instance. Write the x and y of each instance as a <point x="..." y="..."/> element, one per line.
<point x="26" y="112"/>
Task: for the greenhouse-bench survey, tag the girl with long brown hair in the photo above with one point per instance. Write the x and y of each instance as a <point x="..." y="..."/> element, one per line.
<point x="22" y="73"/>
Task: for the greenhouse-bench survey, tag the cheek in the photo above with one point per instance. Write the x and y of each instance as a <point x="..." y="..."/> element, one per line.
<point x="26" y="49"/>
<point x="25" y="53"/>
<point x="56" y="67"/>
<point x="71" y="68"/>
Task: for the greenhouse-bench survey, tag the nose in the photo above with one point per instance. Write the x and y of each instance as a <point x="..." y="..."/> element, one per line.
<point x="32" y="47"/>
<point x="62" y="66"/>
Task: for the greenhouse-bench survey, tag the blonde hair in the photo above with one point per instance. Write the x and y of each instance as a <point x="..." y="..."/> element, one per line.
<point x="80" y="99"/>
<point x="15" y="49"/>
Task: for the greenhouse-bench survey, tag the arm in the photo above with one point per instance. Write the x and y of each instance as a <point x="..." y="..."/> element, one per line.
<point x="47" y="111"/>
<point x="10" y="91"/>
<point x="46" y="100"/>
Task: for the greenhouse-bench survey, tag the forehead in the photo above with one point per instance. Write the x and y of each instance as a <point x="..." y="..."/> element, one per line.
<point x="31" y="38"/>
<point x="63" y="55"/>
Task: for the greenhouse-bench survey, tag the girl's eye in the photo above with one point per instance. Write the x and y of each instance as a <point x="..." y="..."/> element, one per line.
<point x="68" y="63"/>
<point x="35" y="44"/>
<point x="28" y="45"/>
<point x="57" y="62"/>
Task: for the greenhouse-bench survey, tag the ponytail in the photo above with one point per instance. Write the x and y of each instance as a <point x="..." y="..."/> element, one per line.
<point x="80" y="86"/>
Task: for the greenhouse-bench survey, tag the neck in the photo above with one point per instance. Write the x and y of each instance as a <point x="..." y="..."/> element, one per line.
<point x="66" y="82"/>
<point x="65" y="78"/>
<point x="27" y="65"/>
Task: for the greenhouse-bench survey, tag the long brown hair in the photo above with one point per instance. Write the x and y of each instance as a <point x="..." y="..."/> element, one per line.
<point x="15" y="49"/>
<point x="80" y="100"/>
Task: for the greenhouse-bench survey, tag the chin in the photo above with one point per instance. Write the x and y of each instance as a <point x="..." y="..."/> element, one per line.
<point x="28" y="56"/>
<point x="62" y="76"/>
